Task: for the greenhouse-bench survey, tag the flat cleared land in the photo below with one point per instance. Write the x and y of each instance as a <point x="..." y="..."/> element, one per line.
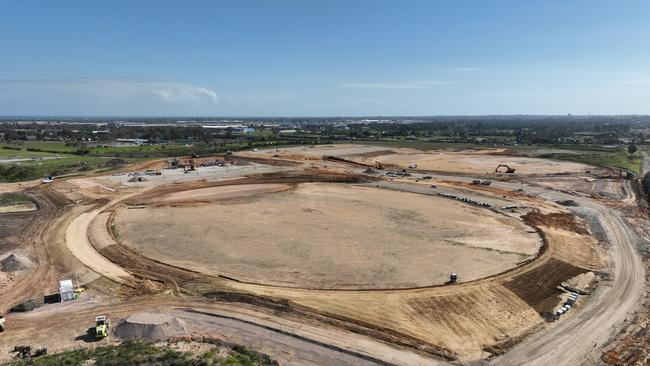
<point x="478" y="163"/>
<point x="326" y="236"/>
<point x="473" y="161"/>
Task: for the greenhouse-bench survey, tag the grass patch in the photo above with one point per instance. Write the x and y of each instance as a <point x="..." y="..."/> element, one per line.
<point x="142" y="353"/>
<point x="618" y="159"/>
<point x="10" y="199"/>
<point x="416" y="144"/>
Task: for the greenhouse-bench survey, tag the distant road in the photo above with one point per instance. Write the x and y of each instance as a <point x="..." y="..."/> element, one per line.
<point x="645" y="163"/>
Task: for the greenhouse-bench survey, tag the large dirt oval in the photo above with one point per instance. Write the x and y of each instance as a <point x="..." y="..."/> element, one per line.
<point x="320" y="235"/>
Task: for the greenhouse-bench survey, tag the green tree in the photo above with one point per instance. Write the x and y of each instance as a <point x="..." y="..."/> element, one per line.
<point x="632" y="149"/>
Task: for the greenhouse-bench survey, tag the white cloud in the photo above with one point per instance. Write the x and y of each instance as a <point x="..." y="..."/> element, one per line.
<point x="420" y="84"/>
<point x="363" y="102"/>
<point x="116" y="89"/>
<point x="466" y="68"/>
<point x="641" y="80"/>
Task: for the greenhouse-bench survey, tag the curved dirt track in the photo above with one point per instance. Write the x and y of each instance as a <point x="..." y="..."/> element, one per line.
<point x="577" y="339"/>
<point x="32" y="237"/>
<point x="76" y="237"/>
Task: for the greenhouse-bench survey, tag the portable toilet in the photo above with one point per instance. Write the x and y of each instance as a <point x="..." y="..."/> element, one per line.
<point x="66" y="290"/>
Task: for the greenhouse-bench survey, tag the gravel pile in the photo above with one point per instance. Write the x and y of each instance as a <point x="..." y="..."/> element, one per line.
<point x="149" y="327"/>
<point x="15" y="262"/>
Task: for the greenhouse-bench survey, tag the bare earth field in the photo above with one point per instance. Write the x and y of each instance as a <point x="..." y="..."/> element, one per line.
<point x="327" y="236"/>
<point x="472" y="161"/>
<point x="313" y="261"/>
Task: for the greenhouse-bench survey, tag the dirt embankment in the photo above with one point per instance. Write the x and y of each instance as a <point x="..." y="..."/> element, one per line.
<point x="29" y="237"/>
<point x="559" y="220"/>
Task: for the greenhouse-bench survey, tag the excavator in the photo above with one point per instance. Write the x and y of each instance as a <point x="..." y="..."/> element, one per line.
<point x="509" y="170"/>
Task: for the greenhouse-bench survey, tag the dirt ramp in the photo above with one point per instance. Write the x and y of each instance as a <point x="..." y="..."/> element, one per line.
<point x="15" y="262"/>
<point x="149" y="327"/>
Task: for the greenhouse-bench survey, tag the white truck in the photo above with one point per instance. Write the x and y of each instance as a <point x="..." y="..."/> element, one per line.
<point x="2" y="323"/>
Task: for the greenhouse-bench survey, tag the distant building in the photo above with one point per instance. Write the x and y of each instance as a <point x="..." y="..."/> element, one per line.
<point x="133" y="141"/>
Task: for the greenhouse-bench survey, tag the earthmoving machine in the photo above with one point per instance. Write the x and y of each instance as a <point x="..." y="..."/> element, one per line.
<point x="481" y="182"/>
<point x="2" y="323"/>
<point x="101" y="326"/>
<point x="190" y="166"/>
<point x="379" y="165"/>
<point x="453" y="277"/>
<point x="508" y="170"/>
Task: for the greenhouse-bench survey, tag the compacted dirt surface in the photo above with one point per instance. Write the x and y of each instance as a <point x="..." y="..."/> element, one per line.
<point x="300" y="254"/>
<point x="324" y="235"/>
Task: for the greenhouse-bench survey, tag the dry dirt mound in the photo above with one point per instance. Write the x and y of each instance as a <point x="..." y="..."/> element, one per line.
<point x="149" y="327"/>
<point x="15" y="262"/>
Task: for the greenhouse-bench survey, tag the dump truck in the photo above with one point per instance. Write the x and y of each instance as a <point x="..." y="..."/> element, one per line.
<point x="101" y="326"/>
<point x="2" y="323"/>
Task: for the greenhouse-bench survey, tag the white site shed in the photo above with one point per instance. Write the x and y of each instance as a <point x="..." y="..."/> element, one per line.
<point x="66" y="290"/>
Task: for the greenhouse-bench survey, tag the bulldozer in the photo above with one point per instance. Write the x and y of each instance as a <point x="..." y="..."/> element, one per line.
<point x="102" y="323"/>
<point x="509" y="170"/>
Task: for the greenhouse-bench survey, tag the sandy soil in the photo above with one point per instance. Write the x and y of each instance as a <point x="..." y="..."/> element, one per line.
<point x="224" y="193"/>
<point x="77" y="242"/>
<point x="327" y="235"/>
<point x="466" y="321"/>
<point x="18" y="208"/>
<point x="471" y="162"/>
<point x="479" y="162"/>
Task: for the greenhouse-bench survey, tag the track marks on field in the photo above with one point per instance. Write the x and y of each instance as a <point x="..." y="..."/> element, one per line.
<point x="538" y="287"/>
<point x="474" y="317"/>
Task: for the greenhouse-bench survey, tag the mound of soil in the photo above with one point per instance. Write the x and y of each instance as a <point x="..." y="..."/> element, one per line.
<point x="149" y="327"/>
<point x="28" y="305"/>
<point x="558" y="220"/>
<point x="15" y="262"/>
<point x="148" y="287"/>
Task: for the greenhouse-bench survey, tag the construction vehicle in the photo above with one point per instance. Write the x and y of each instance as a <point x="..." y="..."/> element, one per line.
<point x="2" y="323"/>
<point x="379" y="165"/>
<point x="508" y="170"/>
<point x="481" y="182"/>
<point x="102" y="323"/>
<point x="190" y="166"/>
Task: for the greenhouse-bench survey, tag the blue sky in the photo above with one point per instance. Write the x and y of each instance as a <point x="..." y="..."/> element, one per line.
<point x="324" y="58"/>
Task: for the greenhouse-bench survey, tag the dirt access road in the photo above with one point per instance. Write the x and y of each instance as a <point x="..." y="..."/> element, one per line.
<point x="290" y="341"/>
<point x="578" y="339"/>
